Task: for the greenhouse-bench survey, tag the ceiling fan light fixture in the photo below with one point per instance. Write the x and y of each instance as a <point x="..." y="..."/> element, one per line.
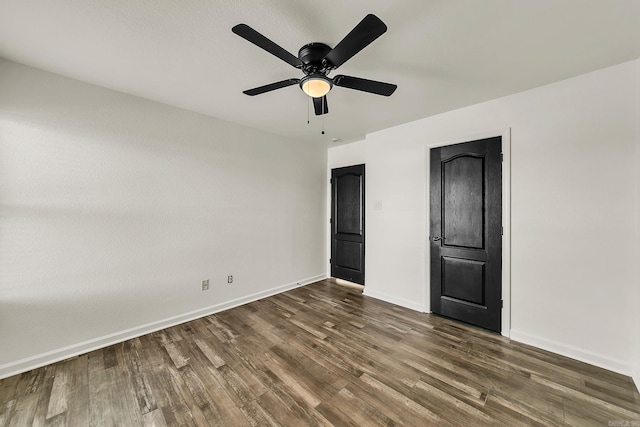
<point x="316" y="85"/>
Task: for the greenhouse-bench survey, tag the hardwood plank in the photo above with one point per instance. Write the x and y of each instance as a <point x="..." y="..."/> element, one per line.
<point x="8" y="388"/>
<point x="108" y="399"/>
<point x="132" y="360"/>
<point x="154" y="418"/>
<point x="323" y="382"/>
<point x="24" y="411"/>
<point x="359" y="411"/>
<point x="449" y="407"/>
<point x="512" y="414"/>
<point x="287" y="411"/>
<point x="335" y="416"/>
<point x="109" y="357"/>
<point x="185" y="408"/>
<point x="257" y="416"/>
<point x="296" y="388"/>
<point x="199" y="393"/>
<point x="402" y="400"/>
<point x="6" y="412"/>
<point x="68" y="396"/>
<point x="43" y="393"/>
<point x="59" y="393"/>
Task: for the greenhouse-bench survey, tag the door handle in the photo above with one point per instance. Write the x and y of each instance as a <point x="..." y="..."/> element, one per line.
<point x="436" y="238"/>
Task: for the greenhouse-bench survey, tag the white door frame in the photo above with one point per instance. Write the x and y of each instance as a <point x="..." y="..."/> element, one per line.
<point x="506" y="218"/>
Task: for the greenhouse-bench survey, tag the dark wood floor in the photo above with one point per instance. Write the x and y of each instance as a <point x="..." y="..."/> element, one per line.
<point x="319" y="355"/>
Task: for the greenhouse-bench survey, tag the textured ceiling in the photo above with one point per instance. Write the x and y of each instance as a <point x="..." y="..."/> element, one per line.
<point x="442" y="54"/>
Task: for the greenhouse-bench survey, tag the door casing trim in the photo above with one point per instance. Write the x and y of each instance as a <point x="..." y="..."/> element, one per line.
<point x="506" y="218"/>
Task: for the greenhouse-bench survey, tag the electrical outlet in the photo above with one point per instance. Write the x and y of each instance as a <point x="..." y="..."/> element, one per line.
<point x="205" y="285"/>
<point x="229" y="279"/>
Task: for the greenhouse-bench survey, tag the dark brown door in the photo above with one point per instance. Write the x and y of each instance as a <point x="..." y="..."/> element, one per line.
<point x="466" y="232"/>
<point x="347" y="223"/>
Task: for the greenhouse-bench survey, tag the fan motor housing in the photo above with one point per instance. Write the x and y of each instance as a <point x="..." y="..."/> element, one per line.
<point x="312" y="55"/>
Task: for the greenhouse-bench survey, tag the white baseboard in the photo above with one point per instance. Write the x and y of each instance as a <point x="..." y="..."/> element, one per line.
<point x="395" y="300"/>
<point x="574" y="353"/>
<point x="39" y="360"/>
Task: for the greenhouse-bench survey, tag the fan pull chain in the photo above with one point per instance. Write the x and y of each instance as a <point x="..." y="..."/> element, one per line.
<point x="323" y="98"/>
<point x="308" y="108"/>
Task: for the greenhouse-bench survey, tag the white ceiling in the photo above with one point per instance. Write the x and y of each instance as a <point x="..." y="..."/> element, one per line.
<point x="442" y="54"/>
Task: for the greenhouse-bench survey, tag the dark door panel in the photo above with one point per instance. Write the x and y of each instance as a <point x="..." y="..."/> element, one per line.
<point x="463" y="279"/>
<point x="466" y="232"/>
<point x="462" y="213"/>
<point x="348" y="255"/>
<point x="347" y="223"/>
<point x="348" y="215"/>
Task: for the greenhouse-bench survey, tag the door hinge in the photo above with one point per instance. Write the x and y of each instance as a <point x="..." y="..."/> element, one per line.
<point x="501" y="157"/>
<point x="502" y="231"/>
<point x="501" y="304"/>
<point x="331" y="181"/>
<point x="330" y="220"/>
<point x="330" y="261"/>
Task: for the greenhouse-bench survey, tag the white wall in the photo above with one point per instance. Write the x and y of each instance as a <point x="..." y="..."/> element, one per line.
<point x="113" y="209"/>
<point x="573" y="163"/>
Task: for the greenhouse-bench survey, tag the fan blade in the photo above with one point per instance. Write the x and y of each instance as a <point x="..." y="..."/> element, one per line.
<point x="248" y="33"/>
<point x="320" y="104"/>
<point x="270" y="87"/>
<point x="371" y="86"/>
<point x="369" y="29"/>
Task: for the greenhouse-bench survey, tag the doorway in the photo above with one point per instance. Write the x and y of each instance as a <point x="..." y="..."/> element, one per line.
<point x="348" y="223"/>
<point x="466" y="232"/>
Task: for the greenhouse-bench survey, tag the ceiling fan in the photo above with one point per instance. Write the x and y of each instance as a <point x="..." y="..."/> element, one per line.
<point x="317" y="60"/>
